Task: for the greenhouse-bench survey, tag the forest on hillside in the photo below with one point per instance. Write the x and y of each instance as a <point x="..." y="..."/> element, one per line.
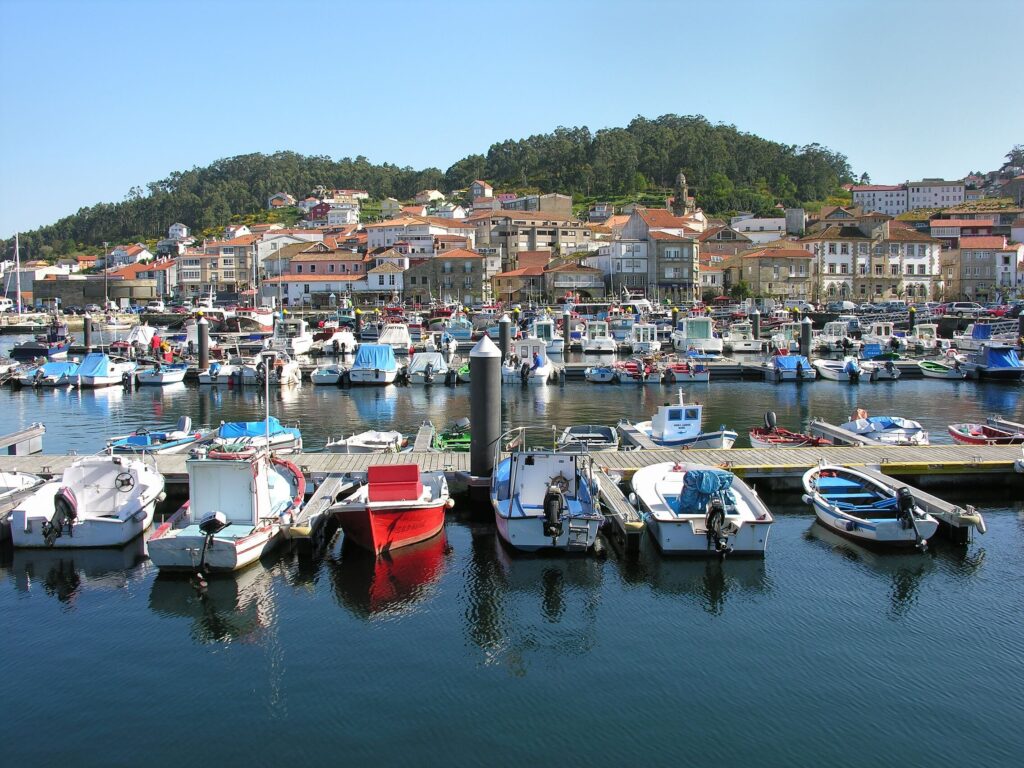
<point x="727" y="169"/>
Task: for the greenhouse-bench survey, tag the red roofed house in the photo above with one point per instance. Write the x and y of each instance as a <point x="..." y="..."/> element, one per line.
<point x="126" y="254"/>
<point x="480" y="189"/>
<point x="781" y="273"/>
<point x="987" y="267"/>
<point x="949" y="231"/>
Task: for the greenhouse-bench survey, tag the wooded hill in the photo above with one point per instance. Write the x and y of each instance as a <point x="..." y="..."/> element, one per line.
<point x="727" y="169"/>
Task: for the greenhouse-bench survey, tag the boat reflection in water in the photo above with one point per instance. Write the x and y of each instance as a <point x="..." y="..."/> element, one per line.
<point x="237" y="606"/>
<point x="66" y="573"/>
<point x="526" y="603"/>
<point x="390" y="584"/>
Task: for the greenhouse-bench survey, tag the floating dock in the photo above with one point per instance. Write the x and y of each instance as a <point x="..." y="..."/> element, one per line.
<point x="23" y="442"/>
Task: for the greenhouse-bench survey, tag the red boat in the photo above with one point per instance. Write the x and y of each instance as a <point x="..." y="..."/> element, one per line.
<point x="771" y="435"/>
<point x="397" y="506"/>
<point x="983" y="434"/>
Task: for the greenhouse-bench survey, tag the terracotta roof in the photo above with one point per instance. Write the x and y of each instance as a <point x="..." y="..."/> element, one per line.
<point x="835" y="232"/>
<point x="341" y="255"/>
<point x="988" y="243"/>
<point x="961" y="222"/>
<point x="403" y="221"/>
<point x="482" y="183"/>
<point x="659" y="218"/>
<point x="504" y="213"/>
<point x="440" y="221"/>
<point x="387" y="266"/>
<point x="459" y="253"/>
<point x="779" y="253"/>
<point x="907" y="234"/>
<point x="130" y="272"/>
<point x="523" y="272"/>
<point x="343" y="278"/>
<point x="655" y="234"/>
<point x="243" y="240"/>
<point x="574" y="268"/>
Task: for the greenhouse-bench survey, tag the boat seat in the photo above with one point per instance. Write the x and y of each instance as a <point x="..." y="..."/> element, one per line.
<point x="394" y="482"/>
<point x="861" y="495"/>
<point x="232" y="531"/>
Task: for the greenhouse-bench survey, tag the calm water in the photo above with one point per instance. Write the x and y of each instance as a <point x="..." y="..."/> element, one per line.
<point x="457" y="652"/>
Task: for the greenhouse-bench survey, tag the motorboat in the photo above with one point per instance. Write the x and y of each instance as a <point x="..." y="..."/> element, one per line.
<point x="291" y="336"/>
<point x="100" y="370"/>
<point x="696" y="333"/>
<point x="863" y="508"/>
<point x="246" y="436"/>
<point x="883" y="333"/>
<point x="880" y="370"/>
<point x="835" y="337"/>
<point x="454" y="437"/>
<point x="644" y="339"/>
<point x="588" y="437"/>
<point x="374" y="364"/>
<point x="327" y="374"/>
<point x="847" y="369"/>
<point x="445" y="344"/>
<point x="600" y="374"/>
<point x="161" y="374"/>
<point x="528" y="363"/>
<point x="696" y="509"/>
<point x="429" y="368"/>
<point x="544" y="329"/>
<point x="892" y="430"/>
<point x="370" y="441"/>
<point x="14" y="485"/>
<point x="924" y="337"/>
<point x="786" y="338"/>
<point x="939" y="369"/>
<point x="545" y="499"/>
<point x="257" y="318"/>
<point x="98" y="501"/>
<point x="786" y="367"/>
<point x="341" y="341"/>
<point x="771" y="435"/>
<point x="978" y="335"/>
<point x="52" y="345"/>
<point x="636" y="370"/>
<point x="179" y="438"/>
<point x="685" y="371"/>
<point x="994" y="361"/>
<point x="740" y="338"/>
<point x="58" y="373"/>
<point x="398" y="505"/>
<point x="240" y="506"/>
<point x="597" y="340"/>
<point x="396" y="335"/>
<point x="281" y="370"/>
<point x="679" y="426"/>
<point x="459" y="327"/>
<point x="223" y="372"/>
<point x="985" y="434"/>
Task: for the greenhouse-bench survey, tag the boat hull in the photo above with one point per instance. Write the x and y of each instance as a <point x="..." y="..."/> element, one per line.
<point x="527" y="533"/>
<point x="375" y="377"/>
<point x="183" y="553"/>
<point x="387" y="526"/>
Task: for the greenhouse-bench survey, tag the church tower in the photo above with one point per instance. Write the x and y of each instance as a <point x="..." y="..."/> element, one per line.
<point x="683" y="203"/>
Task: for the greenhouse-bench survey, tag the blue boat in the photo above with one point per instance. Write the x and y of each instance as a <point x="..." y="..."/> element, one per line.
<point x="178" y="439"/>
<point x="995" y="361"/>
<point x="52" y="345"/>
<point x="59" y="373"/>
<point x="790" y="368"/>
<point x="374" y="364"/>
<point x="245" y="437"/>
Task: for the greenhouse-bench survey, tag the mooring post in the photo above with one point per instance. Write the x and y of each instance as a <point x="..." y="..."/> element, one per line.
<point x="755" y="324"/>
<point x="504" y="335"/>
<point x="484" y="406"/>
<point x="359" y="322"/>
<point x="203" y="327"/>
<point x="87" y="333"/>
<point x="566" y="326"/>
<point x="805" y="336"/>
<point x="912" y="315"/>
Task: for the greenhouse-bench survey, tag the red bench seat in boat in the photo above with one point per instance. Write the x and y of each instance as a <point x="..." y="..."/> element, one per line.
<point x="394" y="482"/>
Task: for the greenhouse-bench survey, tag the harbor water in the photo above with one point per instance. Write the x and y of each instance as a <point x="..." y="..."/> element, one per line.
<point x="458" y="652"/>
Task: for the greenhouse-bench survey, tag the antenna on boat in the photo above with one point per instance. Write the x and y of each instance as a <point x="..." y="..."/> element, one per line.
<point x="268" y="361"/>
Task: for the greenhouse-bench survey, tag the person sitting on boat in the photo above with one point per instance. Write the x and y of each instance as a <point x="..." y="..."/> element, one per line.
<point x="536" y="361"/>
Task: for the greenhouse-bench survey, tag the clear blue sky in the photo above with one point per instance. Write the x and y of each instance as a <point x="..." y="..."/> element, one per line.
<point x="100" y="96"/>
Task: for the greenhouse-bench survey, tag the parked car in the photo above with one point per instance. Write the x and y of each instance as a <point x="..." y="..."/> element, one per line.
<point x="840" y="306"/>
<point x="156" y="306"/>
<point x="997" y="310"/>
<point x="93" y="308"/>
<point x="965" y="309"/>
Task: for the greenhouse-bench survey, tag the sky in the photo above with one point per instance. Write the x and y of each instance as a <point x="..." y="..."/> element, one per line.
<point x="99" y="96"/>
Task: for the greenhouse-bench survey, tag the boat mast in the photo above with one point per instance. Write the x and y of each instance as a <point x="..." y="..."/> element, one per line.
<point x="17" y="272"/>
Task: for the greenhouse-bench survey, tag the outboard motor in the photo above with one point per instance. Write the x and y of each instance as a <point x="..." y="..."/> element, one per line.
<point x="451" y="378"/>
<point x="852" y="370"/>
<point x="905" y="504"/>
<point x="65" y="512"/>
<point x="799" y="370"/>
<point x="128" y="380"/>
<point x="714" y="522"/>
<point x="337" y="348"/>
<point x="37" y="379"/>
<point x="524" y="372"/>
<point x="428" y="374"/>
<point x="261" y="372"/>
<point x="211" y="524"/>
<point x="554" y="506"/>
<point x="770" y="422"/>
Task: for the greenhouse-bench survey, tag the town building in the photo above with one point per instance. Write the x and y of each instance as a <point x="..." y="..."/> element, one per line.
<point x="759" y="230"/>
<point x="934" y="193"/>
<point x="884" y="198"/>
<point x="779" y="272"/>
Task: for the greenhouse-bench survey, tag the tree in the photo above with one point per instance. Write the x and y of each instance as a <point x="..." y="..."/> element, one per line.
<point x="740" y="291"/>
<point x="865" y="178"/>
<point x="1015" y="156"/>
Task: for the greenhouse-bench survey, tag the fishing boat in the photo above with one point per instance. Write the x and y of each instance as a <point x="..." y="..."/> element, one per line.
<point x="544" y="499"/>
<point x="327" y="374"/>
<point x="883" y="333"/>
<point x="994" y="361"/>
<point x="246" y="436"/>
<point x="696" y="333"/>
<point x="597" y="340"/>
<point x="52" y="345"/>
<point x="339" y="341"/>
<point x="588" y="437"/>
<point x="273" y="366"/>
<point x="161" y="374"/>
<point x="773" y="436"/>
<point x="99" y="370"/>
<point x="59" y="373"/>
<point x="454" y="437"/>
<point x="636" y="370"/>
<point x="291" y="336"/>
<point x="685" y="372"/>
<point x="179" y="438"/>
<point x="255" y="318"/>
<point x="459" y="327"/>
<point x="679" y="425"/>
<point x="835" y="337"/>
<point x="398" y="505"/>
<point x="740" y="338"/>
<point x="937" y="369"/>
<point x="862" y="508"/>
<point x="786" y="338"/>
<point x="924" y="337"/>
<point x="892" y="430"/>
<point x="528" y="363"/>
<point x="98" y="501"/>
<point x="429" y="368"/>
<point x="984" y="434"/>
<point x="370" y="441"/>
<point x="374" y="364"/>
<point x="696" y="509"/>
<point x="240" y="505"/>
<point x="847" y="369"/>
<point x="396" y="335"/>
<point x="644" y="339"/>
<point x="600" y="374"/>
<point x="544" y="329"/>
<point x="786" y="367"/>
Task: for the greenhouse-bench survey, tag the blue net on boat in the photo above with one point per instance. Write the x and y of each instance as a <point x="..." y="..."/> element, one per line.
<point x="699" y="485"/>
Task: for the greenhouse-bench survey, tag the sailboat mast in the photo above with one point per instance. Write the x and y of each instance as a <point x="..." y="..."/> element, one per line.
<point x="17" y="272"/>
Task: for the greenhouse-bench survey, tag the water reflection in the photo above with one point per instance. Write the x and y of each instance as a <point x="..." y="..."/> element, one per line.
<point x="235" y="606"/>
<point x="66" y="573"/>
<point x="391" y="584"/>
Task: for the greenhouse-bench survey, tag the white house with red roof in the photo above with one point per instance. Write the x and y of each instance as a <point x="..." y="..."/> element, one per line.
<point x="127" y="254"/>
<point x="480" y="189"/>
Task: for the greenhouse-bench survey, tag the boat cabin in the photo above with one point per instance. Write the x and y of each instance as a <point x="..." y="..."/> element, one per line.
<point x="544" y="329"/>
<point x="677" y="422"/>
<point x="644" y="333"/>
<point x="240" y="490"/>
<point x="523" y="350"/>
<point x="597" y="329"/>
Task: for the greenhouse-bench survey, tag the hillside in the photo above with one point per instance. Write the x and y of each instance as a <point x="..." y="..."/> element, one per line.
<point x="728" y="169"/>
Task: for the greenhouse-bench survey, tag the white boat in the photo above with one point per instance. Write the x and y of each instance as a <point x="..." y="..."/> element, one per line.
<point x="239" y="507"/>
<point x="879" y="370"/>
<point x="99" y="370"/>
<point x="374" y="364"/>
<point x="282" y="370"/>
<point x="860" y="507"/>
<point x="445" y="344"/>
<point x="940" y="369"/>
<point x="597" y="340"/>
<point x="428" y="368"/>
<point x="370" y="441"/>
<point x="696" y="333"/>
<point x="396" y="335"/>
<point x="12" y="486"/>
<point x="994" y="361"/>
<point x="528" y="363"/>
<point x="327" y="374"/>
<point x="740" y="338"/>
<point x="544" y="329"/>
<point x="882" y="333"/>
<point x="98" y="501"/>
<point x="786" y="338"/>
<point x="58" y="373"/>
<point x="258" y="318"/>
<point x="291" y="336"/>
<point x="679" y="426"/>
<point x="644" y="339"/>
<point x="788" y="367"/>
<point x="700" y="510"/>
<point x="161" y="374"/>
<point x="588" y="437"/>
<point x="924" y="337"/>
<point x="835" y="337"/>
<point x="978" y="335"/>
<point x="892" y="430"/>
<point x="544" y="499"/>
<point x="179" y="438"/>
<point x="341" y="342"/>
<point x="600" y="374"/>
<point x="245" y="436"/>
<point x="223" y="372"/>
<point x="847" y="369"/>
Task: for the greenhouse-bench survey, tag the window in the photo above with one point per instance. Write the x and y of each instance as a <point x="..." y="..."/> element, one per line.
<point x="229" y="262"/>
<point x="298" y="269"/>
<point x="894" y="270"/>
<point x="380" y="279"/>
<point x="843" y="269"/>
<point x="671" y="253"/>
<point x="832" y="248"/>
<point x="391" y="279"/>
<point x="229" y="274"/>
<point x="878" y="269"/>
<point x="831" y="269"/>
<point x="863" y="289"/>
<point x="330" y="268"/>
<point x="863" y="269"/>
<point x="844" y="248"/>
<point x="878" y="290"/>
<point x="312" y="268"/>
<point x="910" y="269"/>
<point x="862" y="249"/>
<point x="305" y="288"/>
<point x="227" y="251"/>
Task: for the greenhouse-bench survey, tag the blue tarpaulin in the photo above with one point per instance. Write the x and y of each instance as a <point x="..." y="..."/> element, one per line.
<point x="698" y="487"/>
<point x="95" y="364"/>
<point x="1002" y="357"/>
<point x="375" y="357"/>
<point x="233" y="430"/>
<point x="981" y="331"/>
<point x="788" y="362"/>
<point x="871" y="351"/>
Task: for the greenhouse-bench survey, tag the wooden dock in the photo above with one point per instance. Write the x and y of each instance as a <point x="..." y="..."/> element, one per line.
<point x="23" y="442"/>
<point x="838" y="435"/>
<point x="628" y="523"/>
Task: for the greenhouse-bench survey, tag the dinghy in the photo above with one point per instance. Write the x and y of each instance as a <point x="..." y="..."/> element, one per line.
<point x="935" y="369"/>
<point x="984" y="434"/>
<point x="862" y="508"/>
<point x="892" y="430"/>
<point x="370" y="441"/>
<point x="177" y="439"/>
<point x="847" y="369"/>
<point x="161" y="374"/>
<point x="99" y="370"/>
<point x="244" y="437"/>
<point x="773" y="436"/>
<point x="58" y="373"/>
<point x="588" y="437"/>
